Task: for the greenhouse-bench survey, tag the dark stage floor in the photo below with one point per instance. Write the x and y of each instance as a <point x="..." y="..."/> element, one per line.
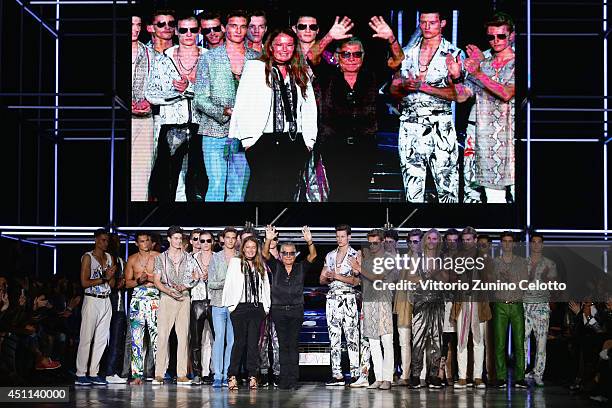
<point x="319" y="396"/>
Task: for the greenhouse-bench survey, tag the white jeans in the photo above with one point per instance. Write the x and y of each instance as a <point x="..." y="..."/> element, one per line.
<point x="405" y="342"/>
<point x="479" y="349"/>
<point x="383" y="366"/>
<point x="95" y="328"/>
<point x="207" y="342"/>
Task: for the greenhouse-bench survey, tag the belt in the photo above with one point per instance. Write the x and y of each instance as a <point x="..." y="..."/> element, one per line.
<point x="287" y="307"/>
<point x="98" y="296"/>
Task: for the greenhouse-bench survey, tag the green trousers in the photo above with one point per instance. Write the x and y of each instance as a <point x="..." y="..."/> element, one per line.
<point x="504" y="313"/>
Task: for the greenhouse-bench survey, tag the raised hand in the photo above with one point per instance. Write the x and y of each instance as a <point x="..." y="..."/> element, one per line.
<point x="270" y="232"/>
<point x="307" y="234"/>
<point x="474" y="52"/>
<point x="340" y="29"/>
<point x="378" y="24"/>
<point x="574" y="307"/>
<point x="453" y="66"/>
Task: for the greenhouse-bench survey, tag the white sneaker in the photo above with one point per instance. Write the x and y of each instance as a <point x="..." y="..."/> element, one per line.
<point x="361" y="382"/>
<point x="115" y="379"/>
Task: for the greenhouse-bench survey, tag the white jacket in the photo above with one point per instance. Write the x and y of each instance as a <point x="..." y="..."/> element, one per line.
<point x="252" y="112"/>
<point x="234" y="286"/>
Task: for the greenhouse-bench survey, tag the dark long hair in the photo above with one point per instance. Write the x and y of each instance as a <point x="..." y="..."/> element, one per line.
<point x="258" y="262"/>
<point x="297" y="65"/>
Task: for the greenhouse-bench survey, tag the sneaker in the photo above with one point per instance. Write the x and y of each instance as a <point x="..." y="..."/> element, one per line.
<point x="374" y="385"/>
<point x="529" y="375"/>
<point x="460" y="384"/>
<point x="196" y="380"/>
<point x="207" y="379"/>
<point x="521" y="384"/>
<point x="362" y="382"/>
<point x="115" y="379"/>
<point x="158" y="381"/>
<point x="402" y="382"/>
<point x="415" y="383"/>
<point x="478" y="383"/>
<point x="216" y="383"/>
<point x="264" y="380"/>
<point x="97" y="380"/>
<point x="47" y="364"/>
<point x="598" y="398"/>
<point x="386" y="385"/>
<point x="183" y="381"/>
<point x="149" y="379"/>
<point x="82" y="381"/>
<point x="275" y="380"/>
<point x="538" y="382"/>
<point x="501" y="384"/>
<point x="435" y="382"/>
<point x="576" y="386"/>
<point x="224" y="383"/>
<point x="335" y="382"/>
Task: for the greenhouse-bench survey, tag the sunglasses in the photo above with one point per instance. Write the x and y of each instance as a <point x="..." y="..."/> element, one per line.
<point x="183" y="30"/>
<point x="206" y="241"/>
<point x="491" y="37"/>
<point x="162" y="24"/>
<point x="348" y="54"/>
<point x="313" y="27"/>
<point x="216" y="29"/>
<point x="285" y="253"/>
<point x="374" y="243"/>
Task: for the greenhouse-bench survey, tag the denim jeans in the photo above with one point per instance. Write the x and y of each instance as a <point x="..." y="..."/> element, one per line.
<point x="116" y="349"/>
<point x="224" y="333"/>
<point x="227" y="169"/>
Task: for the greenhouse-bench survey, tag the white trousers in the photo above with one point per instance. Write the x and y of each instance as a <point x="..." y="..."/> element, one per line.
<point x="95" y="328"/>
<point x="405" y="342"/>
<point x="207" y="342"/>
<point x="479" y="348"/>
<point x="383" y="366"/>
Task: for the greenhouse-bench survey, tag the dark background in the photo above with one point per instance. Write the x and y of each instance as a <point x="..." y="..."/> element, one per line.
<point x="567" y="178"/>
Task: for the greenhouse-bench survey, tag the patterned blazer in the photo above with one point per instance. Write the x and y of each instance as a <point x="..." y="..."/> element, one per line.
<point x="215" y="89"/>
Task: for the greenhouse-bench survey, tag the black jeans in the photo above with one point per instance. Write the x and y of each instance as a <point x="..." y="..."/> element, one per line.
<point x="167" y="168"/>
<point x="348" y="161"/>
<point x="246" y="319"/>
<point x="288" y="322"/>
<point x="116" y="344"/>
<point x="276" y="165"/>
<point x="201" y="311"/>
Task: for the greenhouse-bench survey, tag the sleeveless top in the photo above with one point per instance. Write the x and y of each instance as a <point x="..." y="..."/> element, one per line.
<point x="97" y="272"/>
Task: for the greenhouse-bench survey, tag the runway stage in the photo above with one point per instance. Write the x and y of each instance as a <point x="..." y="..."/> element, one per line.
<point x="316" y="395"/>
